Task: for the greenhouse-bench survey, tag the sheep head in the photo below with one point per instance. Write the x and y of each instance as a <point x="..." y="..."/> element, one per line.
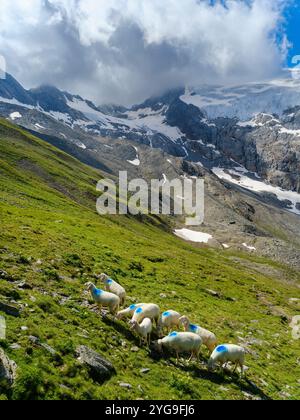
<point x="185" y="322"/>
<point x="89" y="286"/>
<point x="211" y="365"/>
<point x="103" y="277"/>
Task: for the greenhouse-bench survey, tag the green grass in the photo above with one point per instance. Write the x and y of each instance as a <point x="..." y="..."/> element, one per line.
<point x="47" y="207"/>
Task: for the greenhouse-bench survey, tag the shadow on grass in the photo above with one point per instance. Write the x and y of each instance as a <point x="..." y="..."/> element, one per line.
<point x="122" y="329"/>
<point x="221" y="377"/>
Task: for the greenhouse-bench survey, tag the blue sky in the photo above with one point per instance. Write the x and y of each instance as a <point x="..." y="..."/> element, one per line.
<point x="292" y="16"/>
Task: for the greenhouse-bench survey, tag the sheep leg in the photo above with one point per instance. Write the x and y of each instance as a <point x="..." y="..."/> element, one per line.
<point x="177" y="357"/>
<point x="242" y="370"/>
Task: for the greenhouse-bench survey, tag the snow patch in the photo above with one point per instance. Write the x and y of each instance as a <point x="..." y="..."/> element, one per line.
<point x="259" y="186"/>
<point x="250" y="248"/>
<point x="136" y="161"/>
<point x="15" y="115"/>
<point x="37" y="125"/>
<point x="193" y="236"/>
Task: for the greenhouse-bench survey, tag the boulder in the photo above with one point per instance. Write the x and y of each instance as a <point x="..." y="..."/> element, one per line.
<point x="100" y="369"/>
<point x="8" y="369"/>
<point x="9" y="309"/>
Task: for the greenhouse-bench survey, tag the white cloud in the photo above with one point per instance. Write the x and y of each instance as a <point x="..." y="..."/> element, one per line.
<point x="130" y="49"/>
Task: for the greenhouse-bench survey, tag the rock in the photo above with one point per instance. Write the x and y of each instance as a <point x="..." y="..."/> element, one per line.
<point x="2" y="328"/>
<point x="295" y="301"/>
<point x="144" y="371"/>
<point x="135" y="349"/>
<point x="5" y="276"/>
<point x="295" y="325"/>
<point x="24" y="328"/>
<point x="163" y="295"/>
<point x="213" y="293"/>
<point x="24" y="285"/>
<point x="15" y="346"/>
<point x="8" y="369"/>
<point x="124" y="385"/>
<point x="48" y="349"/>
<point x="9" y="309"/>
<point x="100" y="369"/>
<point x="36" y="341"/>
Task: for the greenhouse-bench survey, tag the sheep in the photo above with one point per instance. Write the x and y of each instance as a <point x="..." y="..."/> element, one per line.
<point x="209" y="339"/>
<point x="113" y="287"/>
<point x="149" y="310"/>
<point x="102" y="298"/>
<point x="144" y="330"/>
<point x="129" y="311"/>
<point x="181" y="342"/>
<point x="168" y="321"/>
<point x="228" y="353"/>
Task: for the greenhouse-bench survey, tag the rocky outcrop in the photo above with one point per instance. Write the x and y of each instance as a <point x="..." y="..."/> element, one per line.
<point x="99" y="368"/>
<point x="8" y="370"/>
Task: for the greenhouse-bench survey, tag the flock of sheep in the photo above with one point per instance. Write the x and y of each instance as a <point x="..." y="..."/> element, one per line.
<point x="145" y="315"/>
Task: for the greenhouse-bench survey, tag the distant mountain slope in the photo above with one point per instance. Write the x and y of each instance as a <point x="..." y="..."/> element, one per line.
<point x="52" y="242"/>
<point x="215" y="126"/>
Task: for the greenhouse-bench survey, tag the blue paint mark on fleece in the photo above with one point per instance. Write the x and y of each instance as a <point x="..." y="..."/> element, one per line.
<point x="109" y="281"/>
<point x="166" y="314"/>
<point x="97" y="292"/>
<point x="173" y="334"/>
<point x="132" y="307"/>
<point x="193" y="328"/>
<point x="222" y="349"/>
<point x="139" y="311"/>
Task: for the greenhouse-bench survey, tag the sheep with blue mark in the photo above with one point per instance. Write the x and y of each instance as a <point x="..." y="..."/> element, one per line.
<point x="113" y="287"/>
<point x="103" y="298"/>
<point x="149" y="310"/>
<point x="144" y="330"/>
<point x="228" y="353"/>
<point x="181" y="342"/>
<point x="128" y="312"/>
<point x="209" y="339"/>
<point x="168" y="321"/>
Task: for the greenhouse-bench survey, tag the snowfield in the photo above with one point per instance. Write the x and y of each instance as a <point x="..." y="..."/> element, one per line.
<point x="259" y="186"/>
<point x="193" y="236"/>
<point x="15" y="115"/>
<point x="245" y="101"/>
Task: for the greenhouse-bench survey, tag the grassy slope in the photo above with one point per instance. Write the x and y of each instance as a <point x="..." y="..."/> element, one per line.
<point x="47" y="213"/>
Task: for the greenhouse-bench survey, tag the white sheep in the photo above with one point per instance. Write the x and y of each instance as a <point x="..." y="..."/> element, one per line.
<point x="144" y="330"/>
<point x="149" y="310"/>
<point x="103" y="298"/>
<point x="181" y="342"/>
<point x="168" y="321"/>
<point x="226" y="353"/>
<point x="128" y="312"/>
<point x="209" y="339"/>
<point x="114" y="287"/>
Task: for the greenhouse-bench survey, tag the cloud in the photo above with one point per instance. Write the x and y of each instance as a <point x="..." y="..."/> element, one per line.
<point x="126" y="50"/>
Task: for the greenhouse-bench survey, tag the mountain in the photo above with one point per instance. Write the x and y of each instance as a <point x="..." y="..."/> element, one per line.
<point x="233" y="129"/>
<point x="52" y="242"/>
